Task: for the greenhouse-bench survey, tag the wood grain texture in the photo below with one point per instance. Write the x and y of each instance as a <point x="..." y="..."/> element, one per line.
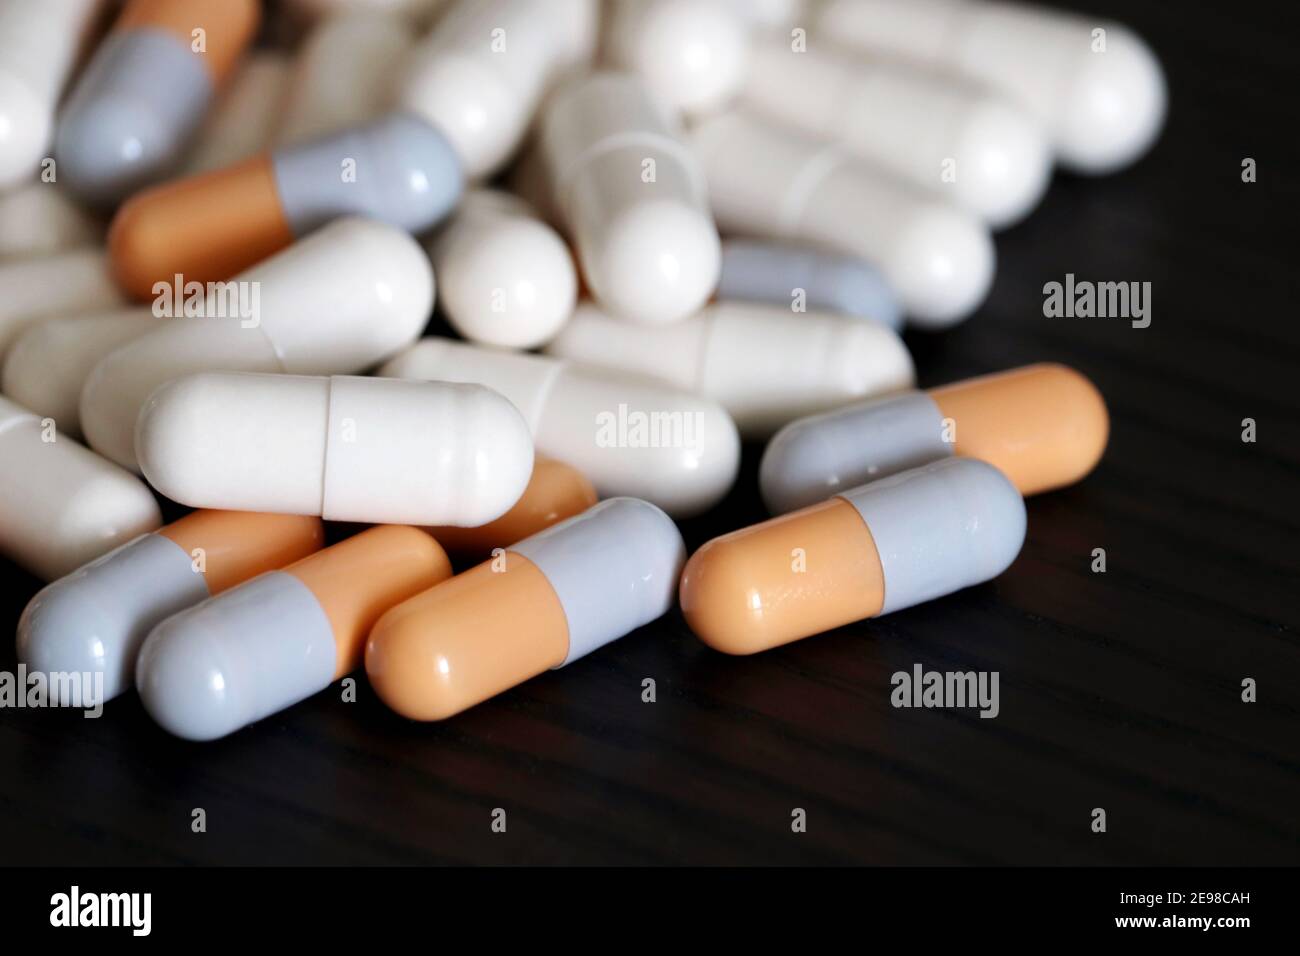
<point x="1118" y="690"/>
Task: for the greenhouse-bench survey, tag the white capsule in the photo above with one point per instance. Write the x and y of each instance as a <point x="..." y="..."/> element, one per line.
<point x="42" y="286"/>
<point x="772" y="16"/>
<point x="39" y="219"/>
<point x="957" y="141"/>
<point x="630" y="437"/>
<point x="345" y="448"/>
<point x="345" y="74"/>
<point x="764" y="364"/>
<point x="632" y="198"/>
<point x="49" y="363"/>
<point x="1093" y="84"/>
<point x="691" y="53"/>
<point x="243" y="121"/>
<point x="481" y="73"/>
<point x="39" y="43"/>
<point x="61" y="505"/>
<point x="339" y="300"/>
<point x="770" y="181"/>
<point x="507" y="278"/>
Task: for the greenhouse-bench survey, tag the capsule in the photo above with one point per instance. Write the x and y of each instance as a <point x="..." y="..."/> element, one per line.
<point x="44" y="286"/>
<point x="132" y="112"/>
<point x="904" y="540"/>
<point x="507" y="277"/>
<point x="807" y="278"/>
<point x="544" y="603"/>
<point x="48" y="364"/>
<point x="346" y="73"/>
<point x="959" y="142"/>
<point x="1093" y="84"/>
<point x="629" y="436"/>
<point x="39" y="44"/>
<point x="484" y="68"/>
<point x="39" y="219"/>
<point x="764" y="364"/>
<point x="1043" y="426"/>
<point x="344" y="298"/>
<point x="770" y="16"/>
<point x="60" y="504"/>
<point x="555" y="491"/>
<point x="693" y="54"/>
<point x="939" y="258"/>
<point x="94" y="620"/>
<point x="345" y="448"/>
<point x="209" y="227"/>
<point x="632" y="198"/>
<point x="243" y="121"/>
<point x="281" y="637"/>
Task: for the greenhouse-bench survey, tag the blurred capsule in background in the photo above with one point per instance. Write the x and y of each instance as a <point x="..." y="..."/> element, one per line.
<point x="339" y="301"/>
<point x="769" y="181"/>
<point x="1093" y="84"/>
<point x="40" y="220"/>
<point x="764" y="364"/>
<point x="345" y="448"/>
<point x="281" y="637"/>
<point x="805" y="278"/>
<point x="507" y="278"/>
<point x="910" y="538"/>
<point x="1043" y="426"/>
<point x="60" y="504"/>
<point x="546" y="602"/>
<point x="95" y="619"/>
<point x="632" y="197"/>
<point x="630" y="436"/>
<point x="131" y="113"/>
<point x="38" y="287"/>
<point x="244" y="120"/>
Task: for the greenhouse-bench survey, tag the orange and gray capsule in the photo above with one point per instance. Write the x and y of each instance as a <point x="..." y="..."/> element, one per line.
<point x="1043" y="426"/>
<point x="889" y="545"/>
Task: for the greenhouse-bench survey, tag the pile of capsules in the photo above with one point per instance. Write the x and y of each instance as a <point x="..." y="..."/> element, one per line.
<point x="219" y="231"/>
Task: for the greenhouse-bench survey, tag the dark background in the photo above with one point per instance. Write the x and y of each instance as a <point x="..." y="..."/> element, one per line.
<point x="1118" y="690"/>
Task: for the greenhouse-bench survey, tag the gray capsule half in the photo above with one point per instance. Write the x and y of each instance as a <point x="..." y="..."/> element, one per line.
<point x="756" y="271"/>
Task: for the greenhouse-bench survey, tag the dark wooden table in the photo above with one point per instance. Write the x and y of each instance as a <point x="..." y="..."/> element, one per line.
<point x="1119" y="690"/>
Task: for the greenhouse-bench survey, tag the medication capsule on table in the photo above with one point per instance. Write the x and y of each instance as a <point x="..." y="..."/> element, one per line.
<point x="1043" y="426"/>
<point x="555" y="491"/>
<point x="345" y="74"/>
<point x="281" y="637"/>
<point x="904" y="540"/>
<point x="629" y="436"/>
<point x="95" y="619"/>
<point x="145" y="90"/>
<point x="692" y="54"/>
<point x="39" y="219"/>
<point x="484" y="68"/>
<point x="507" y="277"/>
<point x="209" y="227"/>
<point x="243" y="121"/>
<point x="939" y="258"/>
<point x="544" y="603"/>
<point x="61" y="505"/>
<point x="632" y="197"/>
<point x="39" y="287"/>
<point x="1094" y="85"/>
<point x="39" y="44"/>
<point x="339" y="301"/>
<point x="764" y="364"/>
<point x="49" y="363"/>
<point x="791" y="275"/>
<point x="917" y="124"/>
<point x="345" y="448"/>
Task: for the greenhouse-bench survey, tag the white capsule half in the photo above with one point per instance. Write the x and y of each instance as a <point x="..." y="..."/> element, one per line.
<point x="60" y="284"/>
<point x="770" y="181"/>
<point x="61" y="505"/>
<point x="507" y="278"/>
<point x="40" y="219"/>
<point x="344" y="448"/>
<point x="629" y="436"/>
<point x="243" y="121"/>
<point x="340" y="300"/>
<point x="1094" y="85"/>
<point x="764" y="364"/>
